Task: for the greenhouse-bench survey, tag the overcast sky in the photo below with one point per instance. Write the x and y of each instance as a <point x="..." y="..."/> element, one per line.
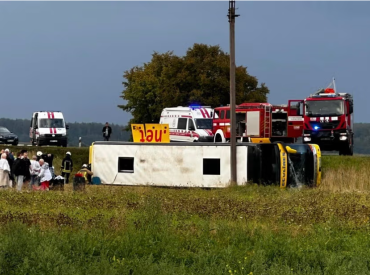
<point x="70" y="56"/>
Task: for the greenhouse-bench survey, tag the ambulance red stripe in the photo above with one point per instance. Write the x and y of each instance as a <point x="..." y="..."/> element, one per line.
<point x="206" y="112"/>
<point x="202" y="112"/>
<point x="186" y="134"/>
<point x="209" y="132"/>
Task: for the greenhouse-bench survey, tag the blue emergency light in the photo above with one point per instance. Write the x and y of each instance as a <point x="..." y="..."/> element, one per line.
<point x="316" y="127"/>
<point x="195" y="106"/>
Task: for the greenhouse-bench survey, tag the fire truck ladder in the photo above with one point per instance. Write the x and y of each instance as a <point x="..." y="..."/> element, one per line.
<point x="267" y="122"/>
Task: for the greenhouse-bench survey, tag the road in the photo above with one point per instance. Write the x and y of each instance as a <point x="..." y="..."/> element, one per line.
<point x="24" y="143"/>
<point x="21" y="144"/>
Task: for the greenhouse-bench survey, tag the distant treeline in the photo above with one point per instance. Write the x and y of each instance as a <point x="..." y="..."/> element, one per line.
<point x="362" y="138"/>
<point x="89" y="132"/>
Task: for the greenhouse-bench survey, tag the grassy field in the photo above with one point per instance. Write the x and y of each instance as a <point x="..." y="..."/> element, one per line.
<point x="145" y="230"/>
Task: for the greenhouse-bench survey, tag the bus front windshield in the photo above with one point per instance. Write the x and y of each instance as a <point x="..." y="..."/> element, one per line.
<point x="324" y="108"/>
<point x="301" y="165"/>
<point x="203" y="123"/>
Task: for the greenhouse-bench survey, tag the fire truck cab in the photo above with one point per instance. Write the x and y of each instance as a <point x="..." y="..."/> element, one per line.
<point x="328" y="121"/>
<point x="260" y="120"/>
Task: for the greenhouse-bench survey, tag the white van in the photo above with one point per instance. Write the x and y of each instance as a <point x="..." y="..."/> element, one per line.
<point x="193" y="123"/>
<point x="48" y="128"/>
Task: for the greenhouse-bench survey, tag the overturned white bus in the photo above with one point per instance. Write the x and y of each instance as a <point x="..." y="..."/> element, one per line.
<point x="205" y="165"/>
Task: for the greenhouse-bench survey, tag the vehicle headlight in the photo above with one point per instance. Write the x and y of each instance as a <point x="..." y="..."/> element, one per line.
<point x="343" y="138"/>
<point x="307" y="139"/>
<point x="1" y="136"/>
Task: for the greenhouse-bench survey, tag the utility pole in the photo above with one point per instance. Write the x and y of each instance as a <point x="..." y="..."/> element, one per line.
<point x="232" y="16"/>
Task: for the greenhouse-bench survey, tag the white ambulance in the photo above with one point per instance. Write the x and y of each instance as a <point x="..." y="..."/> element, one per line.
<point x="191" y="124"/>
<point x="48" y="128"/>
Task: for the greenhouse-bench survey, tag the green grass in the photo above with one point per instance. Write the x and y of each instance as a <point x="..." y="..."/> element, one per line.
<point x="338" y="162"/>
<point x="147" y="230"/>
<point x="164" y="245"/>
<point x="127" y="230"/>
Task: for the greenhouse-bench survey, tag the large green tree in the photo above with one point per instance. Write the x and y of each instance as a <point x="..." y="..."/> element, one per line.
<point x="201" y="77"/>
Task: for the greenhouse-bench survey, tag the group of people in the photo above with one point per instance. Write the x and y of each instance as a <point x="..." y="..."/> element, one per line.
<point x="15" y="172"/>
<point x="37" y="171"/>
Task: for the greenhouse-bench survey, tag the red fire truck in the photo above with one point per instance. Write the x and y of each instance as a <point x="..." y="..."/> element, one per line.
<point x="260" y="120"/>
<point x="328" y="121"/>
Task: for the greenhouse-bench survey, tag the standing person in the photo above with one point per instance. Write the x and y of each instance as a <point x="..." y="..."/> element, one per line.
<point x="34" y="170"/>
<point x="48" y="158"/>
<point x="9" y="154"/>
<point x="10" y="159"/>
<point x="67" y="167"/>
<point x="4" y="171"/>
<point x="19" y="171"/>
<point x="44" y="175"/>
<point x="107" y="131"/>
<point x="26" y="167"/>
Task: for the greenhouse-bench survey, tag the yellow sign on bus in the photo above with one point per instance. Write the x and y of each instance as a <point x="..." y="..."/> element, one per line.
<point x="150" y="133"/>
<point x="283" y="166"/>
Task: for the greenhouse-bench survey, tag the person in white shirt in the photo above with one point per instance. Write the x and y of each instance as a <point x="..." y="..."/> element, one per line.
<point x="34" y="171"/>
<point x="44" y="175"/>
<point x="4" y="171"/>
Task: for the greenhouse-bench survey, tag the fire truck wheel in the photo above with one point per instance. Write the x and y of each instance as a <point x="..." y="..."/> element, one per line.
<point x="346" y="150"/>
<point x="218" y="138"/>
<point x="350" y="150"/>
